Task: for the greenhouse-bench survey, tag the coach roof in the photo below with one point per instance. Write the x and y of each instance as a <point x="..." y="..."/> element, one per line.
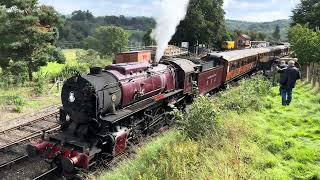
<point x="240" y="54"/>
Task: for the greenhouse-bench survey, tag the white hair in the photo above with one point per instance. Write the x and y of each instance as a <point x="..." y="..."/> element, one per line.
<point x="291" y="63"/>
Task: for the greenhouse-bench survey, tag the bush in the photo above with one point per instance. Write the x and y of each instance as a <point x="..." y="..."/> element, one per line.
<point x="200" y="119"/>
<point x="14" y="100"/>
<point x="15" y="74"/>
<point x="40" y="82"/>
<point x="70" y="70"/>
<point x="246" y="96"/>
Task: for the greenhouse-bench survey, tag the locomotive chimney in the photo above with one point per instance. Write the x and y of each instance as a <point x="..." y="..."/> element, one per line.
<point x="95" y="70"/>
<point x="154" y="63"/>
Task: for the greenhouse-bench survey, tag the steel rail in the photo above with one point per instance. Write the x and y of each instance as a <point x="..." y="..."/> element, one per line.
<point x="37" y="134"/>
<point x="45" y="174"/>
<point x="14" y="161"/>
<point x="30" y="122"/>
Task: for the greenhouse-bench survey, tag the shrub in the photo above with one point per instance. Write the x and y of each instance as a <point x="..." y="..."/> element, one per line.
<point x="70" y="70"/>
<point x="246" y="96"/>
<point x="14" y="100"/>
<point x="200" y="119"/>
<point x="39" y="85"/>
<point x="15" y="74"/>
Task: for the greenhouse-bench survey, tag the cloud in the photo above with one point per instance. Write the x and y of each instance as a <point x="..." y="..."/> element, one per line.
<point x="259" y="11"/>
<point x="247" y="10"/>
<point x="103" y="7"/>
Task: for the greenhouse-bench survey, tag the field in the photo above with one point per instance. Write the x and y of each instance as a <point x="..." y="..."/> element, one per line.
<point x="254" y="137"/>
<point x="18" y="100"/>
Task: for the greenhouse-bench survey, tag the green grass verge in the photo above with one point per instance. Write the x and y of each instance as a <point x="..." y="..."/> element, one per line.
<point x="270" y="142"/>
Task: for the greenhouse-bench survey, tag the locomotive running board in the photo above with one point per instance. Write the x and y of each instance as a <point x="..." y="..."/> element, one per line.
<point x="128" y="111"/>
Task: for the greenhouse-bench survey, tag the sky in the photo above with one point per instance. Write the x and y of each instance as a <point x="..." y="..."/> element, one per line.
<point x="246" y="10"/>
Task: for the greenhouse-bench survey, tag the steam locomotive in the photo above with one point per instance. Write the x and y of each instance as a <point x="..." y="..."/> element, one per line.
<point x="106" y="109"/>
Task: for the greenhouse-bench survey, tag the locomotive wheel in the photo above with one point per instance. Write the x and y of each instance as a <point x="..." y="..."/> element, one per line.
<point x="169" y="118"/>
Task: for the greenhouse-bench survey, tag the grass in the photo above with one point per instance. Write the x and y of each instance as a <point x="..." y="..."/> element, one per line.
<point x="17" y="100"/>
<point x="271" y="142"/>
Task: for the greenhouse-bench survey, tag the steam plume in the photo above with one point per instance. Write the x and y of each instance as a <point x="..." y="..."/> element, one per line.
<point x="171" y="12"/>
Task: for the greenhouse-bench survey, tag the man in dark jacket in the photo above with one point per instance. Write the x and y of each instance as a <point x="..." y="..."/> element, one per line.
<point x="288" y="79"/>
<point x="280" y="69"/>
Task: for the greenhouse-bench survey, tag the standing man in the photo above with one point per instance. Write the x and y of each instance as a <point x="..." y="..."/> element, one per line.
<point x="288" y="79"/>
<point x="283" y="66"/>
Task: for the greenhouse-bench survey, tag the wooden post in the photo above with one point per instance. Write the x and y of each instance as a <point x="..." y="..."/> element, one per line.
<point x="308" y="73"/>
<point x="313" y="83"/>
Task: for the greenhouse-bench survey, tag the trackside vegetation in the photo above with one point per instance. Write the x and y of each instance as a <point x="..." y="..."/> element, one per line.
<point x="242" y="133"/>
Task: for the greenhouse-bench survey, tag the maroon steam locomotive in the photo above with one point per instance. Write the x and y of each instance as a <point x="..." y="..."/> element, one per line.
<point x="108" y="108"/>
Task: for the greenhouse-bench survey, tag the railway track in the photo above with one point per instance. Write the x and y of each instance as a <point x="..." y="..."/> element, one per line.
<point x="13" y="141"/>
<point x="29" y="130"/>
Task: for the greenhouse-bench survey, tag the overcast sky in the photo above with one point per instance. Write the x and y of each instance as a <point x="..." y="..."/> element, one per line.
<point x="247" y="10"/>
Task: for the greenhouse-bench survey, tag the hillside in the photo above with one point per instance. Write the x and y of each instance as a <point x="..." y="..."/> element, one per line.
<point x="253" y="137"/>
<point x="265" y="27"/>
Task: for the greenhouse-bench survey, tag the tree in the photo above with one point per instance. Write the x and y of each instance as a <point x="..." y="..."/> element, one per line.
<point x="82" y="16"/>
<point x="276" y="34"/>
<point x="305" y="43"/>
<point x="25" y="29"/>
<point x="108" y="40"/>
<point x="307" y="13"/>
<point x="147" y="38"/>
<point x="203" y="24"/>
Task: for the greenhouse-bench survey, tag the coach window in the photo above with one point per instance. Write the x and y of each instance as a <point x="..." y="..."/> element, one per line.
<point x="232" y="66"/>
<point x="238" y="63"/>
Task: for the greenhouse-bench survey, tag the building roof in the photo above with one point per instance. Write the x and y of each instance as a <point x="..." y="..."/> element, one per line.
<point x="245" y="36"/>
<point x="240" y="54"/>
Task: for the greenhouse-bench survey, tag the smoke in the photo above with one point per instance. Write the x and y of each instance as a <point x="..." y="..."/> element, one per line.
<point x="171" y="12"/>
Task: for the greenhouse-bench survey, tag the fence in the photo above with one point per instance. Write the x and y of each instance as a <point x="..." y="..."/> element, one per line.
<point x="311" y="74"/>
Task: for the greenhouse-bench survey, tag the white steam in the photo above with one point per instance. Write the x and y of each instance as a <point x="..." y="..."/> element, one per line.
<point x="171" y="12"/>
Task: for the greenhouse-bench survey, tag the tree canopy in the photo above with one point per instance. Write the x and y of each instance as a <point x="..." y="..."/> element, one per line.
<point x="307" y="12"/>
<point x="276" y="34"/>
<point x="305" y="43"/>
<point x="204" y="23"/>
<point x="108" y="40"/>
<point x="82" y="24"/>
<point x="26" y="29"/>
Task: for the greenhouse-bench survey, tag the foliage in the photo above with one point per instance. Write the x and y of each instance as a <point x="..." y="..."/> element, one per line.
<point x="14" y="100"/>
<point x="83" y="24"/>
<point x="72" y="70"/>
<point x="25" y="29"/>
<point x="15" y="74"/>
<point x="307" y="12"/>
<point x="108" y="40"/>
<point x="200" y="119"/>
<point x="255" y="36"/>
<point x="246" y="96"/>
<point x="305" y="43"/>
<point x="204" y="24"/>
<point x="276" y="34"/>
<point x="266" y="28"/>
<point x="147" y="40"/>
<point x="39" y="85"/>
<point x="92" y="58"/>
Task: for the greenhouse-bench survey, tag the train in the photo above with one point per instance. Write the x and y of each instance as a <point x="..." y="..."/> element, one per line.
<point x="104" y="111"/>
<point x="228" y="45"/>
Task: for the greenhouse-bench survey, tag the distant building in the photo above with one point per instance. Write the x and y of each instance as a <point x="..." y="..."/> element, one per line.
<point x="133" y="56"/>
<point x="243" y="41"/>
<point x="259" y="44"/>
